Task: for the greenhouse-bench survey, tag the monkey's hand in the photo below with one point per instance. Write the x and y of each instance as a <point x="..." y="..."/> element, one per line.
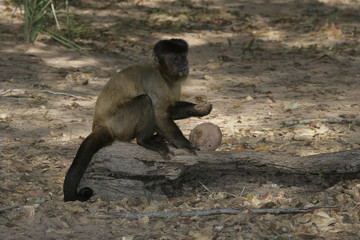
<point x="158" y="143"/>
<point x="192" y="149"/>
<point x="173" y="135"/>
<point x="188" y="146"/>
<point x="165" y="152"/>
<point x="202" y="106"/>
<point x="202" y="109"/>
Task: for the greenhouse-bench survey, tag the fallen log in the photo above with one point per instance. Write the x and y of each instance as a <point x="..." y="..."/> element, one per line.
<point x="126" y="169"/>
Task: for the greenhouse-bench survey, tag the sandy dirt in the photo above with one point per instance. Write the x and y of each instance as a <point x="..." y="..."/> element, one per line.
<point x="259" y="63"/>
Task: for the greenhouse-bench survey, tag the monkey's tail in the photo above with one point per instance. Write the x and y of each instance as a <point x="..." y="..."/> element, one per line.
<point x="98" y="139"/>
<point x="85" y="194"/>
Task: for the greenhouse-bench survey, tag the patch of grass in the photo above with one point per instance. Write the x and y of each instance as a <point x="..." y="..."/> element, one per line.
<point x="39" y="16"/>
<point x="36" y="15"/>
<point x="76" y="30"/>
<point x="251" y="47"/>
<point x="294" y="50"/>
<point x="65" y="41"/>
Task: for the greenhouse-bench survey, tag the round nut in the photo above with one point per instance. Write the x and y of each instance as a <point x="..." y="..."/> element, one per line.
<point x="206" y="136"/>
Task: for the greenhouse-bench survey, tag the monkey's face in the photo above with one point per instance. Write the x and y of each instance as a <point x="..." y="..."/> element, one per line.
<point x="174" y="67"/>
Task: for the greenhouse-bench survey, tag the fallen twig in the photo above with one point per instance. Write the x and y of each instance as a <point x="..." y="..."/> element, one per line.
<point x="288" y="210"/>
<point x="208" y="212"/>
<point x="61" y="93"/>
<point x="340" y="61"/>
<point x="2" y="210"/>
<point x="16" y="96"/>
<point x="42" y="91"/>
<point x="325" y="120"/>
<point x="172" y="214"/>
<point x="332" y="58"/>
<point x="205" y="187"/>
<point x="5" y="92"/>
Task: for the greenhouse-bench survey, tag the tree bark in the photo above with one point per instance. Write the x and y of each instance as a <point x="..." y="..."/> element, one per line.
<point x="126" y="169"/>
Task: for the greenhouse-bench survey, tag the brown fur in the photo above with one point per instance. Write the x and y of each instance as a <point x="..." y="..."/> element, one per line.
<point x="122" y="88"/>
<point x="135" y="103"/>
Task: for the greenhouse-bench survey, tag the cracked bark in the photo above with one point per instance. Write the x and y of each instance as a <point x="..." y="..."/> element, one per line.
<point x="125" y="169"/>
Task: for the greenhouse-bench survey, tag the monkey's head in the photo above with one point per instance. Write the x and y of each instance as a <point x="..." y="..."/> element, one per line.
<point x="171" y="57"/>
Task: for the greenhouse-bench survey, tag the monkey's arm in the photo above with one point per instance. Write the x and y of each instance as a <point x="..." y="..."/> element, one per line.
<point x="183" y="110"/>
<point x="167" y="128"/>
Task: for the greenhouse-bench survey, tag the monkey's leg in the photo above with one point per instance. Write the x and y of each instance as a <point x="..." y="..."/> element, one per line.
<point x="146" y="127"/>
<point x="183" y="110"/>
<point x="98" y="139"/>
<point x="136" y="119"/>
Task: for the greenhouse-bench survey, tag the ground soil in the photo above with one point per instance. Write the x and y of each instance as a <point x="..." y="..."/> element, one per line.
<point x="259" y="63"/>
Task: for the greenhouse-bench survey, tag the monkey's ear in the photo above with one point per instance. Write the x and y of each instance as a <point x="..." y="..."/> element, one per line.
<point x="174" y="45"/>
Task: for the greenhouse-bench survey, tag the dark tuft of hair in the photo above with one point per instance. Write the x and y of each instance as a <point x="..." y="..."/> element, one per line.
<point x="174" y="45"/>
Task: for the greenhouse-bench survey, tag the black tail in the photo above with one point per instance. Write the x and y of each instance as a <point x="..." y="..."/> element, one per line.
<point x="93" y="143"/>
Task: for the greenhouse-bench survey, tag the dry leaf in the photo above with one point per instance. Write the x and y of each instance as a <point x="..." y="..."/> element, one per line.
<point x="237" y="105"/>
<point x="144" y="220"/>
<point x="208" y="77"/>
<point x="205" y="234"/>
<point x="322" y="214"/>
<point x="269" y="100"/>
<point x="73" y="208"/>
<point x="332" y="31"/>
<point x="238" y="149"/>
<point x="322" y="219"/>
<point x="249" y="98"/>
<point x="260" y="149"/>
<point x="30" y="213"/>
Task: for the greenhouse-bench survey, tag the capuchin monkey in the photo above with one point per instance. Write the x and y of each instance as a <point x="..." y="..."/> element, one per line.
<point x="142" y="102"/>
